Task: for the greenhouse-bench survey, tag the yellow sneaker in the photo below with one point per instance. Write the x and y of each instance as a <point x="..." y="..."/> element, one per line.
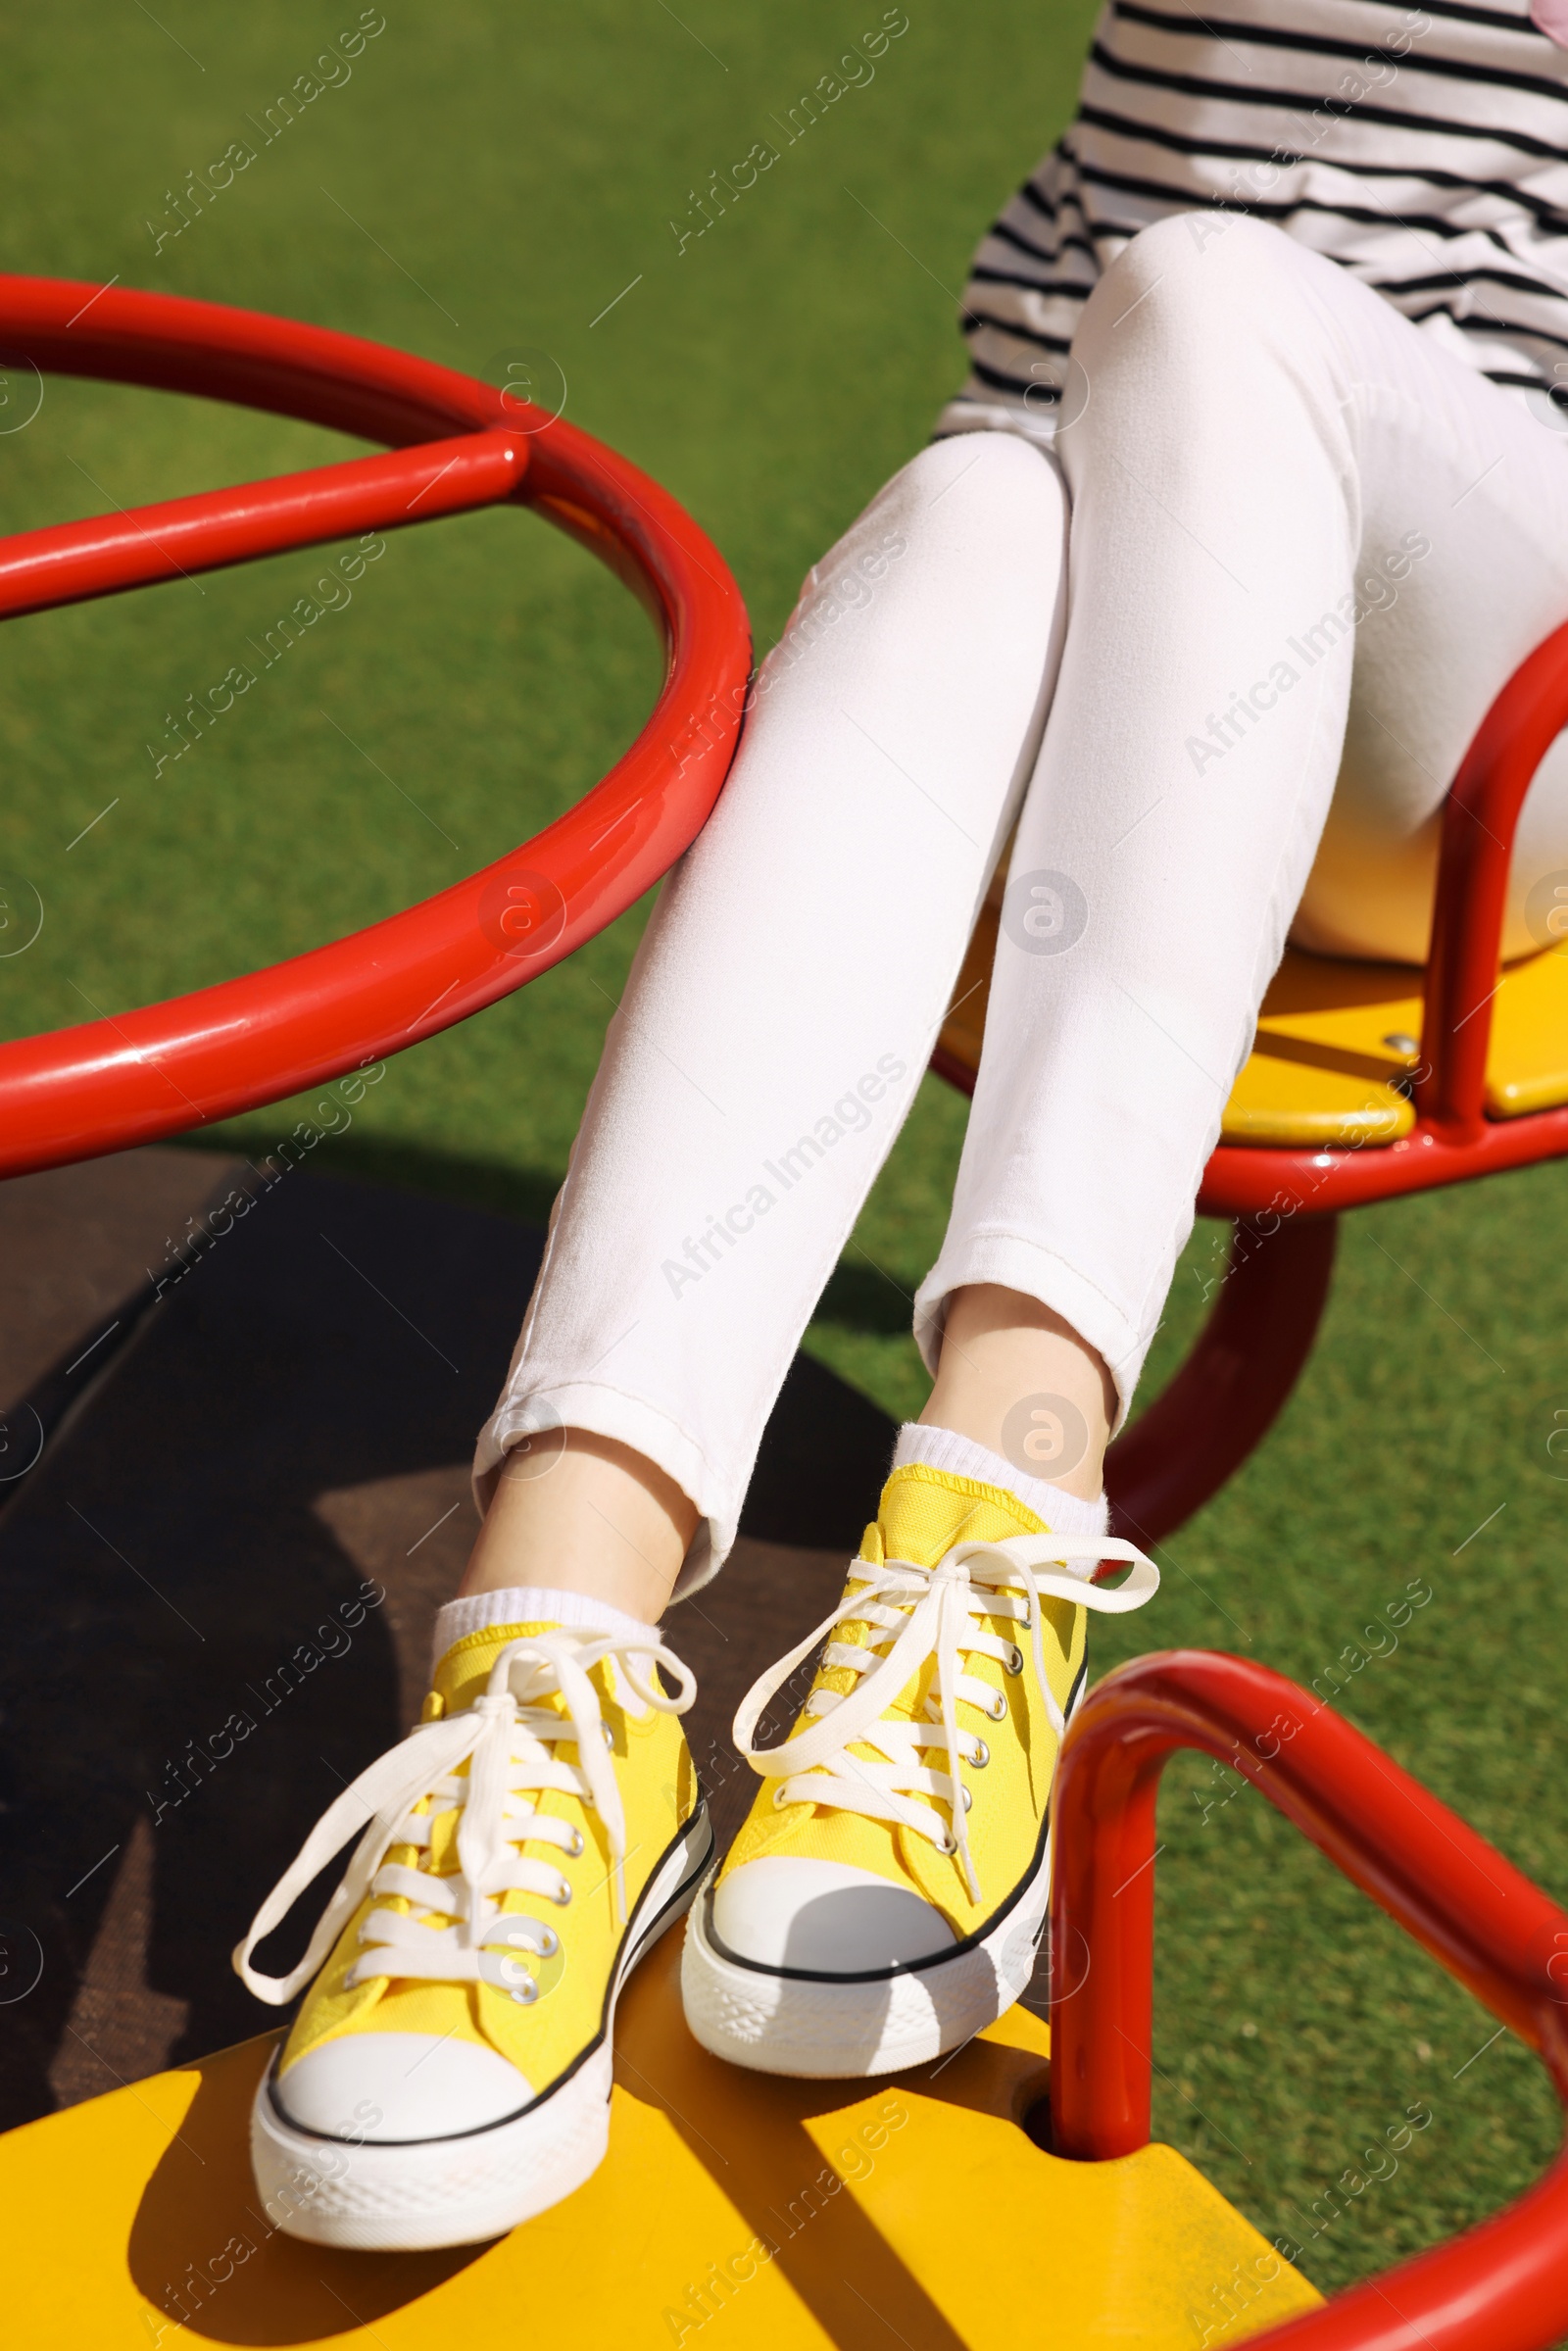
<point x="449" y="2072"/>
<point x="885" y="1898"/>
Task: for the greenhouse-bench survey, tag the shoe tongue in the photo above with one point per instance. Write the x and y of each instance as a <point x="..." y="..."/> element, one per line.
<point x="463" y="1671"/>
<point x="923" y="1512"/>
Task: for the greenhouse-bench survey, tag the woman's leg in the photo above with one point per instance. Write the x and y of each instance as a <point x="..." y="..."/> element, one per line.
<point x="782" y="1009"/>
<point x="1308" y="545"/>
<point x="1249" y="436"/>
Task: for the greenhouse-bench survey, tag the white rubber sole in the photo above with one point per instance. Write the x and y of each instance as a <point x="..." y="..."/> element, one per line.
<point x="459" y="2191"/>
<point x="840" y="2029"/>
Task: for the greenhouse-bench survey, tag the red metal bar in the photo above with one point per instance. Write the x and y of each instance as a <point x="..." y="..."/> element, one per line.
<point x="958" y="1075"/>
<point x="1242" y="1181"/>
<point x="163" y="1068"/>
<point x="116" y="334"/>
<point x="1227" y="1393"/>
<point x="1479" y="823"/>
<point x="1503" y="2286"/>
<point x="73" y="561"/>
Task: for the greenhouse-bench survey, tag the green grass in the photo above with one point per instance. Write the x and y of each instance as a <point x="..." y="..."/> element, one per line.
<point x="522" y="163"/>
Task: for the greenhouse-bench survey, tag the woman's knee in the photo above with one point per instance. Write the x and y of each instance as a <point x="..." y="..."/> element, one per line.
<point x="1191" y="290"/>
<point x="971" y="526"/>
<point x="987" y="490"/>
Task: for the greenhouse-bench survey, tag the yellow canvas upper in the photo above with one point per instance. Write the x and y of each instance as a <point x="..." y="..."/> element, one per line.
<point x="659" y="1792"/>
<point x="923" y="1512"/>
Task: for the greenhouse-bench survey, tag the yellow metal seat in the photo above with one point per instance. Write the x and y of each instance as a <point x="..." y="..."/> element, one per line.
<point x="804" y="2214"/>
<point x="1337" y="1042"/>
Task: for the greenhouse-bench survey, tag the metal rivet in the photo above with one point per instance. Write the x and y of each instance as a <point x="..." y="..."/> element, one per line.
<point x="1015" y="1663"/>
<point x="981" y="1756"/>
<point x="563" y="1895"/>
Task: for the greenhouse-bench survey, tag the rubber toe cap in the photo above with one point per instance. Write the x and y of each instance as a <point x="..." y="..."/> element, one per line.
<point x="371" y="2087"/>
<point x="825" y="1916"/>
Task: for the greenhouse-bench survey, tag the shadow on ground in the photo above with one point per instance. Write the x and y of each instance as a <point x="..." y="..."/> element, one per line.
<point x="221" y="1575"/>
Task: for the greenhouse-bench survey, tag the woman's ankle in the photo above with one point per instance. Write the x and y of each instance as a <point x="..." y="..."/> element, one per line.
<point x="1017" y="1378"/>
<point x="585" y="1514"/>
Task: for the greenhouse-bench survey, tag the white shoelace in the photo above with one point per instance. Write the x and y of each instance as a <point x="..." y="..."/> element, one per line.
<point x="507" y="1739"/>
<point x="928" y="1612"/>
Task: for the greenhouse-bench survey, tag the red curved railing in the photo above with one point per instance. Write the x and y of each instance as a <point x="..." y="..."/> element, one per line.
<point x="459" y="444"/>
<point x="1452" y="1140"/>
<point x="1501" y="2286"/>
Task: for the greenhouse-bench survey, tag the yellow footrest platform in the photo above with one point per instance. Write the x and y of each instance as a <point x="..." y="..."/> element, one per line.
<point x="798" y="2213"/>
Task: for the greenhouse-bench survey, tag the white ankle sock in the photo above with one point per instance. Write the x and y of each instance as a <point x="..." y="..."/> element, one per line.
<point x="533" y="1605"/>
<point x="944" y="1449"/>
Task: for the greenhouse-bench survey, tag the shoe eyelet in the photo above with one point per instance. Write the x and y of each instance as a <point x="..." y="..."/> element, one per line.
<point x="949" y="1844"/>
<point x="779" y="1797"/>
<point x="1015" y="1663"/>
<point x="981" y="1756"/>
<point x="563" y="1895"/>
<point x="610" y="1736"/>
<point x="968" y="1799"/>
<point x="525" y="1999"/>
<point x="549" y="1944"/>
<point x="575" y="1846"/>
<point x="999" y="1712"/>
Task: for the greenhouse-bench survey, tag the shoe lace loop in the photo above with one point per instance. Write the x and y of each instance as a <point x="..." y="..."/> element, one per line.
<point x="507" y="1739"/>
<point x="928" y="1613"/>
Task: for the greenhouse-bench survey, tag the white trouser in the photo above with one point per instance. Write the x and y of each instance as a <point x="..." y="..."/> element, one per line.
<point x="1256" y="452"/>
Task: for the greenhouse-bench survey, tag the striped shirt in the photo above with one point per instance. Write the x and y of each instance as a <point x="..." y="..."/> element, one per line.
<point x="1423" y="146"/>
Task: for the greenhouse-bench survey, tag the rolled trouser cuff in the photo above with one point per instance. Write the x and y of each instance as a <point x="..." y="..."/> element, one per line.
<point x="630" y="1420"/>
<point x="1013" y="1261"/>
